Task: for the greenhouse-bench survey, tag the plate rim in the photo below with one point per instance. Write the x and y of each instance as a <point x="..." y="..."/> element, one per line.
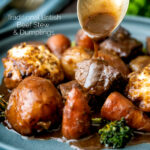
<point x="129" y="18"/>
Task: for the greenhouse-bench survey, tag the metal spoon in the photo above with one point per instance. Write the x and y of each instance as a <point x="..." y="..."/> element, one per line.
<point x="99" y="18"/>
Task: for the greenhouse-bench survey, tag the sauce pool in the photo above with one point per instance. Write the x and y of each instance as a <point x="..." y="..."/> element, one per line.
<point x="91" y="142"/>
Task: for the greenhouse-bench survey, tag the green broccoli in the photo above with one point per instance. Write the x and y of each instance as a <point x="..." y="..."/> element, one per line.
<point x="3" y="105"/>
<point x="115" y="134"/>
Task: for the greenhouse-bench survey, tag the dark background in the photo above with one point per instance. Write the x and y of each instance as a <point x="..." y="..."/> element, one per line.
<point x="71" y="8"/>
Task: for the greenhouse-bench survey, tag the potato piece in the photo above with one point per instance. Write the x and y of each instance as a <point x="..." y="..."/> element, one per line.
<point x="117" y="106"/>
<point x="71" y="57"/>
<point x="58" y="44"/>
<point x="139" y="63"/>
<point x="33" y="106"/>
<point x="83" y="40"/>
<point x="76" y="115"/>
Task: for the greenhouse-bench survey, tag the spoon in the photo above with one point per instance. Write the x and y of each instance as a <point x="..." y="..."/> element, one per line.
<point x="99" y="18"/>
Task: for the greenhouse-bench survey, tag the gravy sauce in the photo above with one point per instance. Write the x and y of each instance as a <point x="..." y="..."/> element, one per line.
<point x="4" y="91"/>
<point x="91" y="142"/>
<point x="88" y="143"/>
<point x="99" y="25"/>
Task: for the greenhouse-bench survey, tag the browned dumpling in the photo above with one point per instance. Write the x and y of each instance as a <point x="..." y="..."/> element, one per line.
<point x="35" y="105"/>
<point x="138" y="88"/>
<point x="71" y="57"/>
<point x="24" y="60"/>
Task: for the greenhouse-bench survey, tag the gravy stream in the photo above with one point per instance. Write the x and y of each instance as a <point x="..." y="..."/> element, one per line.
<point x="99" y="26"/>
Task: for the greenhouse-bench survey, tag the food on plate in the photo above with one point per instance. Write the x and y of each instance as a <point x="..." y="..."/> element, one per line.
<point x="117" y="106"/>
<point x="97" y="76"/>
<point x="116" y="134"/>
<point x="138" y="88"/>
<point x="3" y="105"/>
<point x="76" y="115"/>
<point x="83" y="40"/>
<point x="33" y="43"/>
<point x="35" y="105"/>
<point x="58" y="44"/>
<point x="139" y="63"/>
<point x="148" y="44"/>
<point x="86" y="75"/>
<point x="65" y="88"/>
<point x="123" y="45"/>
<point x="71" y="57"/>
<point x="25" y="60"/>
<point x="114" y="60"/>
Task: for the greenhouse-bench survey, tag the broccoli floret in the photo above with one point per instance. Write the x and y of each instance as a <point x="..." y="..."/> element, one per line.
<point x="3" y="105"/>
<point x="115" y="134"/>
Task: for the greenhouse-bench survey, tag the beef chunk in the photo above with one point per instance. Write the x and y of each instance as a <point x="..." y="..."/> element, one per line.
<point x="139" y="63"/>
<point x="123" y="45"/>
<point x="115" y="61"/>
<point x="97" y="77"/>
<point x="65" y="88"/>
<point x="148" y="45"/>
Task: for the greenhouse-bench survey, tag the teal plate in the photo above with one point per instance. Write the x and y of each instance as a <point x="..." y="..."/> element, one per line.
<point x="68" y="25"/>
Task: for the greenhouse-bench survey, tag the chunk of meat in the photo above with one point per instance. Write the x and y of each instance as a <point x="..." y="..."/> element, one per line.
<point x="139" y="63"/>
<point x="35" y="105"/>
<point x="65" y="88"/>
<point x="93" y="101"/>
<point x="148" y="45"/>
<point x="114" y="61"/>
<point x="96" y="77"/>
<point x="117" y="106"/>
<point x="83" y="40"/>
<point x="58" y="44"/>
<point x="123" y="45"/>
<point x="138" y="88"/>
<point x="25" y="60"/>
<point x="76" y="115"/>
